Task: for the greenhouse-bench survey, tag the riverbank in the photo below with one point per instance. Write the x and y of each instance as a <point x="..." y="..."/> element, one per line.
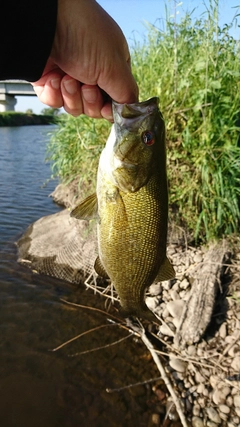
<point x="205" y="370"/>
<point x="13" y="118"/>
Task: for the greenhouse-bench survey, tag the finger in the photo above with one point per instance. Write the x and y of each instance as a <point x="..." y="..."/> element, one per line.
<point x="72" y="96"/>
<point x="92" y="101"/>
<point x="120" y="86"/>
<point x="48" y="89"/>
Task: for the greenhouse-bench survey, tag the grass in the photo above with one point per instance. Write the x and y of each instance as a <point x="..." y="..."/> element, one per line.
<point x="193" y="66"/>
<point x="75" y="147"/>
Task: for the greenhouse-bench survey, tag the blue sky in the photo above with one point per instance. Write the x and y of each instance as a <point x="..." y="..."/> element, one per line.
<point x="132" y="15"/>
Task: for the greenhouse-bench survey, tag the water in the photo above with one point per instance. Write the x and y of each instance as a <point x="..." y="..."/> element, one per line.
<point x="39" y="387"/>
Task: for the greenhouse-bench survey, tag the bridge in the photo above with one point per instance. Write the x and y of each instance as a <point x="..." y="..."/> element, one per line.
<point x="11" y="88"/>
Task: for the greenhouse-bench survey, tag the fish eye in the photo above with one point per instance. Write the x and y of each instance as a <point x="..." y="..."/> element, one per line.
<point x="148" y="137"/>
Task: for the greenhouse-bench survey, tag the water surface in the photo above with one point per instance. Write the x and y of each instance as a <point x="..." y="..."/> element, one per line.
<point x="38" y="387"/>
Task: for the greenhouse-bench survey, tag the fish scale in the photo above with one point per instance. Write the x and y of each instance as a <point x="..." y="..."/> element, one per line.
<point x="131" y="204"/>
<point x="136" y="244"/>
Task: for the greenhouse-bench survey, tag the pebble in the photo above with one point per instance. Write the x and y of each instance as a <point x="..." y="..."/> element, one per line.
<point x="155" y="289"/>
<point x="199" y="378"/>
<point x="174" y="294"/>
<point x="184" y="284"/>
<point x="154" y="420"/>
<point x="214" y="380"/>
<point x="177" y="364"/>
<point x="236" y="401"/>
<point x="200" y="388"/>
<point x="197" y="422"/>
<point x="236" y="364"/>
<point x="198" y="258"/>
<point x="175" y="308"/>
<point x="224" y="409"/>
<point x="191" y="350"/>
<point x="176" y="322"/>
<point x="223" y="331"/>
<point x="213" y="415"/>
<point x="220" y="394"/>
<point x="233" y="351"/>
<point x="165" y="330"/>
<point x="196" y="410"/>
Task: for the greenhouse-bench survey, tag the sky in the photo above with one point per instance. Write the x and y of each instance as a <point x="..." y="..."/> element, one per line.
<point x="132" y="16"/>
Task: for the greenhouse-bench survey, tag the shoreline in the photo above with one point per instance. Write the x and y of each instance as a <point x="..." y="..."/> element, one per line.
<point x="13" y="118"/>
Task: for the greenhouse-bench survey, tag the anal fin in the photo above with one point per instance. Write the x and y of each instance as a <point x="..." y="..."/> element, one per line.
<point x="166" y="271"/>
<point x="100" y="269"/>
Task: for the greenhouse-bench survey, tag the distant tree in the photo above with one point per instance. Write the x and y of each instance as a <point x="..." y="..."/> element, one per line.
<point x="29" y="111"/>
<point x="50" y="111"/>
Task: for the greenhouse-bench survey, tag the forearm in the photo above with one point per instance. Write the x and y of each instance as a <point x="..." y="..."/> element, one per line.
<point x="26" y="35"/>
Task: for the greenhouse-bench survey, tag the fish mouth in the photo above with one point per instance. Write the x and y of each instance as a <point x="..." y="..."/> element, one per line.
<point x="128" y="115"/>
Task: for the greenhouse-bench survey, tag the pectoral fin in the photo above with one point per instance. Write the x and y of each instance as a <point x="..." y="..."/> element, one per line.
<point x="99" y="268"/>
<point x="166" y="271"/>
<point x="87" y="209"/>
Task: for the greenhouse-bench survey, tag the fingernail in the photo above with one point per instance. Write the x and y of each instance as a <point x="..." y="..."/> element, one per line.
<point x="90" y="94"/>
<point x="71" y="86"/>
<point x="55" y="83"/>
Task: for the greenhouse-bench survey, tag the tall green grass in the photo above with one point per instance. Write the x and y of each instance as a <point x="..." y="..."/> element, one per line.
<point x="193" y="66"/>
<point x="75" y="147"/>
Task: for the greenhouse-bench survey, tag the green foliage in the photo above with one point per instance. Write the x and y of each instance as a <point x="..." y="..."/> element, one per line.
<point x="75" y="147"/>
<point x="14" y="118"/>
<point x="50" y="111"/>
<point x="193" y="66"/>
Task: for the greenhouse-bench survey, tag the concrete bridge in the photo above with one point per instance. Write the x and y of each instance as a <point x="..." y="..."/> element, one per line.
<point x="11" y="88"/>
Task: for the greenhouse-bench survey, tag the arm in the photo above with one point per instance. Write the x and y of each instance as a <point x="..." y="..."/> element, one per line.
<point x="87" y="61"/>
<point x="26" y="34"/>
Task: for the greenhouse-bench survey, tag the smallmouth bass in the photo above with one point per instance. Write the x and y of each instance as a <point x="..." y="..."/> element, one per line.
<point x="131" y="203"/>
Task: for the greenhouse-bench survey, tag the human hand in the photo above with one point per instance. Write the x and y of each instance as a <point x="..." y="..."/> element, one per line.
<point x="89" y="64"/>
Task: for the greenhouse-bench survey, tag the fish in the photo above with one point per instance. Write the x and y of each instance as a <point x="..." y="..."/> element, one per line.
<point x="131" y="205"/>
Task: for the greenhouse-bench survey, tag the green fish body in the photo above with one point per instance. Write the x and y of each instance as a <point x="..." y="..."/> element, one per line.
<point x="132" y="205"/>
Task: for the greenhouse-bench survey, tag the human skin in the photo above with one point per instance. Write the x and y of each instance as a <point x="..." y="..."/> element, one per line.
<point x="89" y="64"/>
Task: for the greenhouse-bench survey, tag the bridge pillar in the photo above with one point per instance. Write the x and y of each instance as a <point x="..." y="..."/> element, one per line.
<point x="7" y="102"/>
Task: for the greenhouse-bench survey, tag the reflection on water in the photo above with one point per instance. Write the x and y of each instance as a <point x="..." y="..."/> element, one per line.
<point x="39" y="387"/>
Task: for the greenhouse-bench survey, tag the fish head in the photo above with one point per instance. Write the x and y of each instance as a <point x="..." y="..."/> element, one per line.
<point x="139" y="140"/>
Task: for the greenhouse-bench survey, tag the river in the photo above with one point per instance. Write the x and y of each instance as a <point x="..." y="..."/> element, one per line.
<point x="39" y="387"/>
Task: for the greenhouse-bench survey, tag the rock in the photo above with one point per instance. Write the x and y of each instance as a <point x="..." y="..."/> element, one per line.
<point x="236" y="401"/>
<point x="201" y="388"/>
<point x="155" y="289"/>
<point x="199" y="378"/>
<point x="198" y="258"/>
<point x="165" y="330"/>
<point x="220" y="394"/>
<point x="223" y="331"/>
<point x="174" y="294"/>
<point x="191" y="350"/>
<point x="154" y="420"/>
<point x="177" y="364"/>
<point x="152" y="303"/>
<point x="213" y="415"/>
<point x="59" y="246"/>
<point x="235" y="365"/>
<point x="175" y="308"/>
<point x="224" y="409"/>
<point x="196" y="410"/>
<point x="184" y="284"/>
<point x="197" y="422"/>
<point x="233" y="351"/>
<point x="214" y="380"/>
